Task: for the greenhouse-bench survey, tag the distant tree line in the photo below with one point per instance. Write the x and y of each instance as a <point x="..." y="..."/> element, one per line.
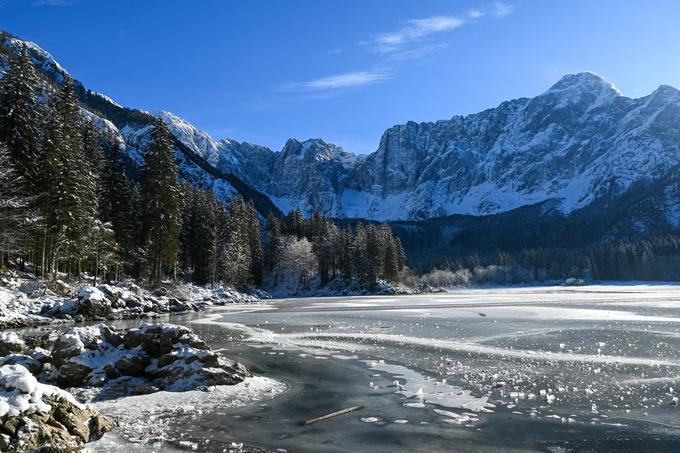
<point x="363" y="254"/>
<point x="656" y="258"/>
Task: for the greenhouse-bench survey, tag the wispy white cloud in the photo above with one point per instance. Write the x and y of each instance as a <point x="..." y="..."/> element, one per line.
<point x="475" y="14"/>
<point x="500" y="9"/>
<point x="414" y="30"/>
<point x="415" y="39"/>
<point x="340" y="81"/>
<point x="429" y="32"/>
<point x="495" y="9"/>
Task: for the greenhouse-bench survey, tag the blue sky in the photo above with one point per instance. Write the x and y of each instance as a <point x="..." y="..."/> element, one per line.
<point x="344" y="71"/>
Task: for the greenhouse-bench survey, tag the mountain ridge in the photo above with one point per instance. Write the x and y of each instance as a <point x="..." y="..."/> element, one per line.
<point x="575" y="142"/>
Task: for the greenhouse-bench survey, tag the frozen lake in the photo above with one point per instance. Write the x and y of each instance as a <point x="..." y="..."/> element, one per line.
<point x="591" y="368"/>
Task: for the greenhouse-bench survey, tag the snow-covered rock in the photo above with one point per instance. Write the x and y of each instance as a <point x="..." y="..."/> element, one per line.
<point x="125" y="300"/>
<point x="34" y="415"/>
<point x="149" y="358"/>
<point x="11" y="343"/>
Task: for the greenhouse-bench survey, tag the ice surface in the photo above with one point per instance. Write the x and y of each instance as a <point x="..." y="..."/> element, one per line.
<point x="152" y="418"/>
<point x="415" y="386"/>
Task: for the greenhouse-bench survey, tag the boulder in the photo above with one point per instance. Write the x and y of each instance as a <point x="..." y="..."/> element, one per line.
<point x="11" y="343"/>
<point x="155" y="339"/>
<point x="160" y="292"/>
<point x="32" y="364"/>
<point x="62" y="289"/>
<point x="112" y="293"/>
<point x="132" y="301"/>
<point x="31" y="286"/>
<point x="93" y="304"/>
<point x="133" y="364"/>
<point x="126" y="386"/>
<point x="130" y="286"/>
<point x="177" y="305"/>
<point x="42" y="417"/>
<point x="73" y="374"/>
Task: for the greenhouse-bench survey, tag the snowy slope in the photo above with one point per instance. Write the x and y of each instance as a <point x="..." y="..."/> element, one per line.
<point x="131" y="130"/>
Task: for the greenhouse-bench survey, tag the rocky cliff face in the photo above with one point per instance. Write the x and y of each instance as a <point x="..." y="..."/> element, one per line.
<point x="580" y="141"/>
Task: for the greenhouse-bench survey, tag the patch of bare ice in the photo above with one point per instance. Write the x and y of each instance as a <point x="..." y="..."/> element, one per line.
<point x="149" y="419"/>
<point x="419" y="389"/>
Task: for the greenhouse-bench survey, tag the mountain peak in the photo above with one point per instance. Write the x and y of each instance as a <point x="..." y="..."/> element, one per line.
<point x="666" y="90"/>
<point x="313" y="148"/>
<point x="43" y="60"/>
<point x="584" y="82"/>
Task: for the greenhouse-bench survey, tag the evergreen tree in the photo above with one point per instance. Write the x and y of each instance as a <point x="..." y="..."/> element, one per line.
<point x="345" y="254"/>
<point x="362" y="263"/>
<point x="390" y="271"/>
<point x="296" y="223"/>
<point x="252" y="224"/>
<point x="401" y="254"/>
<point x="21" y="118"/>
<point x="118" y="206"/>
<point x="202" y="235"/>
<point x="162" y="204"/>
<point x="189" y="221"/>
<point x="77" y="200"/>
<point x="105" y="249"/>
<point x="15" y="209"/>
<point x="274" y="239"/>
<point x="236" y="252"/>
<point x="372" y="258"/>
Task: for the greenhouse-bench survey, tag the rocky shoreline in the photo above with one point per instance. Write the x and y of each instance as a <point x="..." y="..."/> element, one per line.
<point x="95" y="363"/>
<point x="31" y="302"/>
<point x="49" y="380"/>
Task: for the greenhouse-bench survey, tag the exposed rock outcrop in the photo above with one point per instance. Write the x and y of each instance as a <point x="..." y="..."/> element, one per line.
<point x="147" y="359"/>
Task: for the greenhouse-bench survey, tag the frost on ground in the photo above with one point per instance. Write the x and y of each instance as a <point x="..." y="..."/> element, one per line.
<point x="152" y="420"/>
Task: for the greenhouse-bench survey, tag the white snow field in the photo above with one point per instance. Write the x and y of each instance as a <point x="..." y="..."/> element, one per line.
<point x="568" y="367"/>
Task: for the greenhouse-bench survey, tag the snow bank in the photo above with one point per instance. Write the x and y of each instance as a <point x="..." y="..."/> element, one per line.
<point x="21" y="393"/>
<point x="29" y="302"/>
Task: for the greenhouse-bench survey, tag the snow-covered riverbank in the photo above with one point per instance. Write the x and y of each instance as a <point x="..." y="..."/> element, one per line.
<point x="48" y="380"/>
<point x="25" y="303"/>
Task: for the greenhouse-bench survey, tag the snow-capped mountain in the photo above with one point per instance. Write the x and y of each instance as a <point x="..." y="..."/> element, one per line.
<point x="578" y="141"/>
<point x="578" y="144"/>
